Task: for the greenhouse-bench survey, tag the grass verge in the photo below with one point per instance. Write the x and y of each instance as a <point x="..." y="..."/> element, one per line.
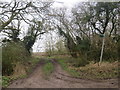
<point x="91" y="71"/>
<point x="31" y="64"/>
<point x="6" y="80"/>
<point x="64" y="64"/>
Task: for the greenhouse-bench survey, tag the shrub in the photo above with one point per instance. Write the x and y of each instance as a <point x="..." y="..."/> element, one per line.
<point x="12" y="53"/>
<point x="80" y="62"/>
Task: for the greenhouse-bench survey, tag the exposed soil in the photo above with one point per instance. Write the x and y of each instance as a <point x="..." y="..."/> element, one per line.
<point x="59" y="79"/>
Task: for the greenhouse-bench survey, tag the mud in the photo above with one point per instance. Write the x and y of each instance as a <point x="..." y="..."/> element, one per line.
<point x="59" y="79"/>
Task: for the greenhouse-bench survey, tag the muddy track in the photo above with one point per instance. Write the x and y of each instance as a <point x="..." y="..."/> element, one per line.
<point x="59" y="79"/>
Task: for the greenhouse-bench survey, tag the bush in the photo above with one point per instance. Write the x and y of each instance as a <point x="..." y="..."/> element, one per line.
<point x="12" y="53"/>
<point x="80" y="62"/>
<point x="94" y="54"/>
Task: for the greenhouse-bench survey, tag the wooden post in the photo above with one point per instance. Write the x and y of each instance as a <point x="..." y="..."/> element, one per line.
<point x="101" y="55"/>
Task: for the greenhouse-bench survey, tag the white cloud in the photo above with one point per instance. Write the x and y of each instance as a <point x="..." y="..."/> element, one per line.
<point x="66" y="3"/>
<point x="5" y="0"/>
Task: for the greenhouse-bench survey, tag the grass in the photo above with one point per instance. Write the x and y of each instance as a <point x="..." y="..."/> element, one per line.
<point x="6" y="80"/>
<point x="65" y="66"/>
<point x="48" y="69"/>
<point x="32" y="63"/>
<point x="91" y="71"/>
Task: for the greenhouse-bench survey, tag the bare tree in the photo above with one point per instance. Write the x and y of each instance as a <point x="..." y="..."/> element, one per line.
<point x="18" y="12"/>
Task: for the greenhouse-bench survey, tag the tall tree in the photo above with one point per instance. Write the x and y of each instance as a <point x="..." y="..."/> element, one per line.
<point x="34" y="31"/>
<point x="13" y="15"/>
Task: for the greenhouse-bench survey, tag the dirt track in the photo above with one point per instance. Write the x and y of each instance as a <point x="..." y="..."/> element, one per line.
<point x="59" y="79"/>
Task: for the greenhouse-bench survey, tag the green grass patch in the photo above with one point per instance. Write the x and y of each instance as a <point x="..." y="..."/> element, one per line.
<point x="5" y="81"/>
<point x="48" y="69"/>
